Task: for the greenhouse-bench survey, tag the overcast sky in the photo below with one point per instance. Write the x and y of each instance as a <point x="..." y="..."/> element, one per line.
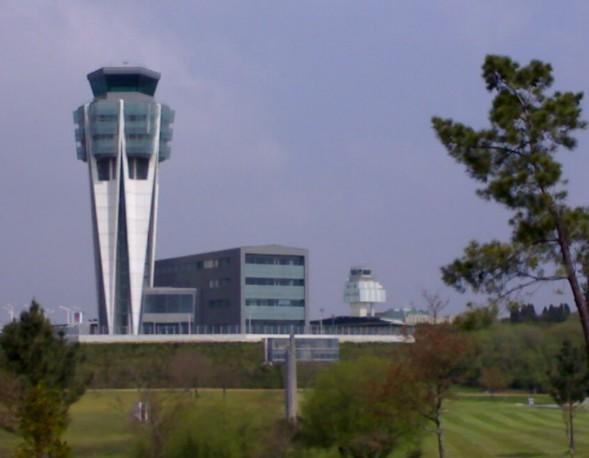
<point x="304" y="123"/>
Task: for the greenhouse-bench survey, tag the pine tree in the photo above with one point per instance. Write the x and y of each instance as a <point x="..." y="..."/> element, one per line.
<point x="515" y="160"/>
<point x="42" y="366"/>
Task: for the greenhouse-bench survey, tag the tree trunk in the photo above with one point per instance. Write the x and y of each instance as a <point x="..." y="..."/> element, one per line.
<point x="563" y="242"/>
<point x="571" y="431"/>
<point x="567" y="260"/>
<point x="440" y="434"/>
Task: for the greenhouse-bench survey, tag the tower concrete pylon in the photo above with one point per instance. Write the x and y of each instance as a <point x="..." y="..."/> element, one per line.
<point x="123" y="135"/>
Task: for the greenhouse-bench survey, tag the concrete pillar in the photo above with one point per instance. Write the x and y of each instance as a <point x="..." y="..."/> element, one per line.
<point x="291" y="381"/>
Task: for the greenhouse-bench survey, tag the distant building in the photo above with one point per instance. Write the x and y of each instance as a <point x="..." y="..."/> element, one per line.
<point x="359" y="325"/>
<point x="394" y="315"/>
<point x="412" y="316"/>
<point x="245" y="289"/>
<point x="362" y="292"/>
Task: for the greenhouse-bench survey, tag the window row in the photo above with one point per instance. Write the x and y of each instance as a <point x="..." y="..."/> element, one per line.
<point x="138" y="137"/>
<point x="132" y="137"/>
<point x="212" y="263"/>
<point x="360" y="272"/>
<point x="276" y="302"/>
<point x="219" y="282"/>
<point x="106" y="168"/>
<point x="98" y="137"/>
<point x="115" y="117"/>
<point x="191" y="266"/>
<point x="135" y="117"/>
<point x="104" y="118"/>
<point x="274" y="281"/>
<point x="283" y="260"/>
<point x="168" y="303"/>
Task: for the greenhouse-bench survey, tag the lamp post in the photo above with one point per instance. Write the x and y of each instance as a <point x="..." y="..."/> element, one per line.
<point x="48" y="311"/>
<point x="321" y="310"/>
<point x="68" y="314"/>
<point x="10" y="309"/>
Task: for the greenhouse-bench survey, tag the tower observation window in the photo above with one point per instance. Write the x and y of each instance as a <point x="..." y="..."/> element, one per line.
<point x="106" y="168"/>
<point x="138" y="168"/>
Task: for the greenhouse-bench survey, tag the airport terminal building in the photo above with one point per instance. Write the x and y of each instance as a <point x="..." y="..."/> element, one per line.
<point x="251" y="289"/>
<point x="123" y="136"/>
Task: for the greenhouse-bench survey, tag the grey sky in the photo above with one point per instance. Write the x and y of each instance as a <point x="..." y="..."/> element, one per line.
<point x="303" y="123"/>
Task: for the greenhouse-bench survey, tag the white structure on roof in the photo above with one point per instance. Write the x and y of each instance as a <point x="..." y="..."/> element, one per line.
<point x="362" y="292"/>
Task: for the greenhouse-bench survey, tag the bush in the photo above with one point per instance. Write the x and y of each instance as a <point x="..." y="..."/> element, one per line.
<point x="349" y="410"/>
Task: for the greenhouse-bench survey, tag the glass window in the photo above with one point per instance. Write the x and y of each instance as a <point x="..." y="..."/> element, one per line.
<point x="224" y="261"/>
<point x="102" y="137"/>
<point x="130" y="83"/>
<point x="134" y="117"/>
<point x="214" y="303"/>
<point x="219" y="282"/>
<point x="138" y="168"/>
<point x="210" y="263"/>
<point x="168" y="303"/>
<point x="105" y="168"/>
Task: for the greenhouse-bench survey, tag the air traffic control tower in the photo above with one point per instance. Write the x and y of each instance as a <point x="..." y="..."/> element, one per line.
<point x="123" y="135"/>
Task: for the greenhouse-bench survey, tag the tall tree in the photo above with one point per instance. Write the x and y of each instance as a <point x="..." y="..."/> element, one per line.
<point x="42" y="368"/>
<point x="433" y="365"/>
<point x="515" y="160"/>
<point x="569" y="384"/>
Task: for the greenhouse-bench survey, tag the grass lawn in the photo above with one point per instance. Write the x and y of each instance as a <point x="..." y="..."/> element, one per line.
<point x="505" y="427"/>
<point x="476" y="425"/>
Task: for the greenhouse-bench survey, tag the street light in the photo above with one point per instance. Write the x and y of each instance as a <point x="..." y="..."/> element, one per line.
<point x="10" y="309"/>
<point x="48" y="311"/>
<point x="68" y="314"/>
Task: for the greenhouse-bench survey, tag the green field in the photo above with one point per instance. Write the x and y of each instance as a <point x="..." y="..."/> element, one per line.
<point x="476" y="425"/>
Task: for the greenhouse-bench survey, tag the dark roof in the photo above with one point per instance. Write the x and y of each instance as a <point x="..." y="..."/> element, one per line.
<point x="123" y="79"/>
<point x="250" y="249"/>
<point x="360" y="321"/>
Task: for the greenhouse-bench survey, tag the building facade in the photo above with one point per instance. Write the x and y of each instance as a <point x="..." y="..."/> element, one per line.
<point x="123" y="135"/>
<point x="246" y="289"/>
<point x="168" y="311"/>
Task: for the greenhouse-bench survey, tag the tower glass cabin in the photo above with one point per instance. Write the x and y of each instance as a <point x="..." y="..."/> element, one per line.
<point x="362" y="292"/>
<point x="123" y="135"/>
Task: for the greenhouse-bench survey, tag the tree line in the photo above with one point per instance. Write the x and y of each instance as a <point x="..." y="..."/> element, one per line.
<point x="522" y="313"/>
<point x="367" y="406"/>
